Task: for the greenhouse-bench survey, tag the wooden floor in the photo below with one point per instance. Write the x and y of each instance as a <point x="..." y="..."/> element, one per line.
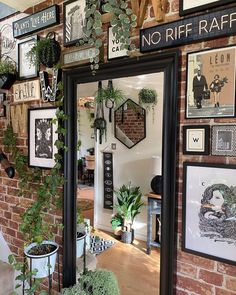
<point x="137" y="272"/>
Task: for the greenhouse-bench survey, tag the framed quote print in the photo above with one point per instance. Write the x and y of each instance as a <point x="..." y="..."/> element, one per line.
<point x="223" y="140"/>
<point x="196" y="140"/>
<point x="42" y="137"/>
<point x="210" y="87"/>
<point x="74" y="18"/>
<point x="209" y="211"/>
<point x="191" y="6"/>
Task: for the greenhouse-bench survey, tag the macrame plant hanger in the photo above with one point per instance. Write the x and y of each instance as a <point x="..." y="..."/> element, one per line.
<point x="99" y="122"/>
<point x="109" y="103"/>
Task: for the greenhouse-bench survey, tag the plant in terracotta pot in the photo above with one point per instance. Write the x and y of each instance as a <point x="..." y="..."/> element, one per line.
<point x="7" y="73"/>
<point x="128" y="207"/>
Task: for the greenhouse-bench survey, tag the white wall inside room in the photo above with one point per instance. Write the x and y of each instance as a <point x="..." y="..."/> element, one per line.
<point x="129" y="165"/>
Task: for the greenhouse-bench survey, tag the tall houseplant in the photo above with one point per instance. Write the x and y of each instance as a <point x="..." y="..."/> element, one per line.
<point x="128" y="207"/>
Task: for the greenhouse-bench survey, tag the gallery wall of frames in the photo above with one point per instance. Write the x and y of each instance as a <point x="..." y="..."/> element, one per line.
<point x="206" y="159"/>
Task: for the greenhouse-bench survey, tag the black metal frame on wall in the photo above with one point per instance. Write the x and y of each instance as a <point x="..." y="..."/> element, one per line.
<point x="108" y="180"/>
<point x="167" y="63"/>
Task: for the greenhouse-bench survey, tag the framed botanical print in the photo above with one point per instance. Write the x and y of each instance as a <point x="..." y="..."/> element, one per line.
<point x="42" y="137"/>
<point x="196" y="140"/>
<point x="191" y="6"/>
<point x="210" y="87"/>
<point x="224" y="140"/>
<point x="74" y="20"/>
<point x="209" y="211"/>
<point x="26" y="69"/>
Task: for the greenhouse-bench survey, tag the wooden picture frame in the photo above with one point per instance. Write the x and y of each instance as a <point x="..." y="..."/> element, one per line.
<point x="42" y="136"/>
<point x="223" y="140"/>
<point x="210" y="87"/>
<point x="209" y="202"/>
<point x="196" y="140"/>
<point x="189" y="6"/>
<point x="74" y="18"/>
<point x="26" y="69"/>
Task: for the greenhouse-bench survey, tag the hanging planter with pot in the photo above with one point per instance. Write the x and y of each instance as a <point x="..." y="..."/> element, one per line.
<point x="148" y="99"/>
<point x="7" y="73"/>
<point x="42" y="257"/>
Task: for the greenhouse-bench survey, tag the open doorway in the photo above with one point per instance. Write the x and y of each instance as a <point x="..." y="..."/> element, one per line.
<point x="133" y="141"/>
<point x="166" y="64"/>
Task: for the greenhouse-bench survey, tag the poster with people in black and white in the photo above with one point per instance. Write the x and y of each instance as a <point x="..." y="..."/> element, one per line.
<point x="211" y="83"/>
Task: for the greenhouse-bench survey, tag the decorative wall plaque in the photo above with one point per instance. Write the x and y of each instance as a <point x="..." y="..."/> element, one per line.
<point x="114" y="47"/>
<point x="26" y="91"/>
<point x="36" y="22"/>
<point x="189" y="30"/>
<point x="108" y="180"/>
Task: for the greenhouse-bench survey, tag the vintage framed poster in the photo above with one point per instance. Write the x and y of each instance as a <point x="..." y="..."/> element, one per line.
<point x="114" y="49"/>
<point x="223" y="140"/>
<point x="74" y="18"/>
<point x="209" y="211"/>
<point x="26" y="69"/>
<point x="196" y="140"/>
<point x="191" y="6"/>
<point x="210" y="87"/>
<point x="42" y="137"/>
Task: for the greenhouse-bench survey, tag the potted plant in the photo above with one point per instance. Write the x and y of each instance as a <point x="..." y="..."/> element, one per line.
<point x="116" y="224"/>
<point x="148" y="99"/>
<point x="7" y="73"/>
<point x="100" y="281"/>
<point x="47" y="51"/>
<point x="82" y="230"/>
<point x="128" y="207"/>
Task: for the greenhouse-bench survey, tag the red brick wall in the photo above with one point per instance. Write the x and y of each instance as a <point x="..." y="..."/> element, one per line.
<point x="194" y="274"/>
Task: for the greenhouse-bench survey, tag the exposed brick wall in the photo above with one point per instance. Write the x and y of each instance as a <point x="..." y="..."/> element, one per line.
<point x="194" y="274"/>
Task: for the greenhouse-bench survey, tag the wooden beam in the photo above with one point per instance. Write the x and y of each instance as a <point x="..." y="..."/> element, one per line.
<point x="106" y="17"/>
<point x="159" y="8"/>
<point x="142" y="12"/>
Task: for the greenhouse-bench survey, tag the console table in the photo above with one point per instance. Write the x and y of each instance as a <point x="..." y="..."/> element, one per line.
<point x="154" y="207"/>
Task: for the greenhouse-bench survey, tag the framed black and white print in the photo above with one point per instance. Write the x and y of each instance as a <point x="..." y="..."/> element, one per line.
<point x="224" y="140"/>
<point x="74" y="18"/>
<point x="2" y="105"/>
<point x="209" y="211"/>
<point x="210" y="87"/>
<point x="196" y="140"/>
<point x="191" y="6"/>
<point x="42" y="136"/>
<point x="26" y="69"/>
<point x="114" y="49"/>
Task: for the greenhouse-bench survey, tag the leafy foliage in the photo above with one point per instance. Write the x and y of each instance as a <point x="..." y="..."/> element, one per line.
<point x="7" y="66"/>
<point x="128" y="203"/>
<point x="116" y="221"/>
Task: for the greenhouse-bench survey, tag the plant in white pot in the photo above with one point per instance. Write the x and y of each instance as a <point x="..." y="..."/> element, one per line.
<point x="128" y="207"/>
<point x="83" y="234"/>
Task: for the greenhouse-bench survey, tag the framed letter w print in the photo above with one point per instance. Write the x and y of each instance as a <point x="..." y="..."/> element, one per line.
<point x="196" y="140"/>
<point x="42" y="137"/>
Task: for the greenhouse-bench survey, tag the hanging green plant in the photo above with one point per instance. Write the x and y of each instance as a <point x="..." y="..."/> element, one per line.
<point x="93" y="31"/>
<point x="148" y="99"/>
<point x="47" y="51"/>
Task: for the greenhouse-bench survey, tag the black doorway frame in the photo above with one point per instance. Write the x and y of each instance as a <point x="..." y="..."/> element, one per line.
<point x="166" y="62"/>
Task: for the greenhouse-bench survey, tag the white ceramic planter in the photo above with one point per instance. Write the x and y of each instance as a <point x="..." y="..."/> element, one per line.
<point x="80" y="245"/>
<point x="40" y="262"/>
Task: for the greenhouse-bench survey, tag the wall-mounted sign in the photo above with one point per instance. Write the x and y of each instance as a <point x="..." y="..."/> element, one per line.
<point x="49" y="93"/>
<point x="108" y="180"/>
<point x="114" y="46"/>
<point x="189" y="30"/>
<point x="26" y="91"/>
<point x="19" y="118"/>
<point x="80" y="55"/>
<point x="36" y="22"/>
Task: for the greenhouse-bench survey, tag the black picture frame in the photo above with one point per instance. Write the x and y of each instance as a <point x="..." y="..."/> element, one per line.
<point x="2" y="105"/>
<point x="214" y="95"/>
<point x="72" y="22"/>
<point x="110" y="54"/>
<point x="26" y="69"/>
<point x="196" y="140"/>
<point x="189" y="10"/>
<point x="209" y="199"/>
<point x="41" y="137"/>
<point x="223" y="140"/>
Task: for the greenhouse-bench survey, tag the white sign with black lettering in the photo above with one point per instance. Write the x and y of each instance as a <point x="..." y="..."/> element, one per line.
<point x="26" y="91"/>
<point x="114" y="46"/>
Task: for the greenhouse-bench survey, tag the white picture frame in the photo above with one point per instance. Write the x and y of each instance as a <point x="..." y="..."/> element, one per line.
<point x="113" y="49"/>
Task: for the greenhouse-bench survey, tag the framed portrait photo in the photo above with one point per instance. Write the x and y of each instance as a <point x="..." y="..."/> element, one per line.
<point x="74" y="20"/>
<point x="209" y="211"/>
<point x="224" y="140"/>
<point x="25" y="68"/>
<point x="210" y="87"/>
<point x="191" y="6"/>
<point x="42" y="136"/>
<point x="196" y="140"/>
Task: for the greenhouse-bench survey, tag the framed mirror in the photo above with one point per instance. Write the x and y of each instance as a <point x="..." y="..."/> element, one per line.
<point x="130" y="123"/>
